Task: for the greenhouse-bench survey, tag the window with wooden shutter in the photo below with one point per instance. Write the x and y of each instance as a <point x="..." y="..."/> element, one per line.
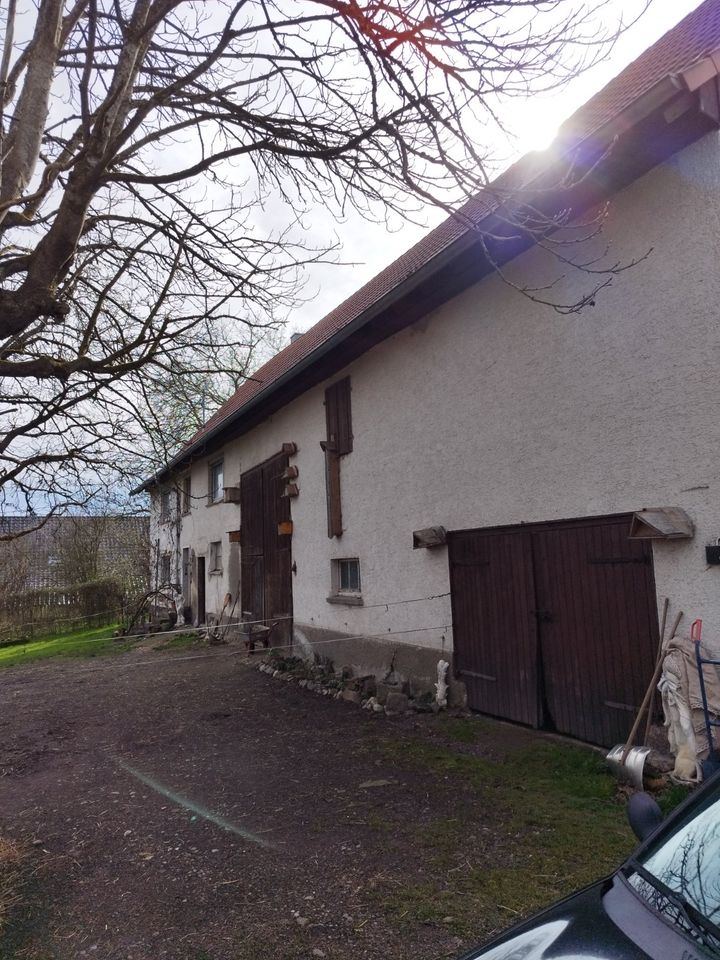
<point x="339" y="442"/>
<point x="338" y="417"/>
<point x="332" y="489"/>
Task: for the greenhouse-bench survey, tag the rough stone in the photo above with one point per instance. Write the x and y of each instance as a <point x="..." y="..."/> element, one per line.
<point x="368" y="686"/>
<point x="421" y="706"/>
<point x="352" y="696"/>
<point x="383" y="689"/>
<point x="396" y="703"/>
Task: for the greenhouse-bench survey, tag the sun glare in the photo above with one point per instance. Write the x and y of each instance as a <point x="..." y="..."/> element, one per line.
<point x="536" y="129"/>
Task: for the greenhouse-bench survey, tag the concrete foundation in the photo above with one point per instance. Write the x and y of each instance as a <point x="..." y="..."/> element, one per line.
<point x="368" y="656"/>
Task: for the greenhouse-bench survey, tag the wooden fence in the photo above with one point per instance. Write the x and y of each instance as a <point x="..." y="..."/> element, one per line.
<point x="56" y="610"/>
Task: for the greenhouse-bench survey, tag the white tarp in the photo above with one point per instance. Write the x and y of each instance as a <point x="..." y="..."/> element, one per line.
<point x="682" y="703"/>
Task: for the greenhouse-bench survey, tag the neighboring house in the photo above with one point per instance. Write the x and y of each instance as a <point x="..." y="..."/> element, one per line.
<point x="443" y="468"/>
<point x="60" y="552"/>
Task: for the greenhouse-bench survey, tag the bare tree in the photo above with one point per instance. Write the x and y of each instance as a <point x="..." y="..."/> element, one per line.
<point x="15" y="567"/>
<point x="145" y="147"/>
<point x="179" y="402"/>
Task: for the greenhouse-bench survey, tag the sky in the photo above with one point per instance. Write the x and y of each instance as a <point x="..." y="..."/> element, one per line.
<point x="366" y="247"/>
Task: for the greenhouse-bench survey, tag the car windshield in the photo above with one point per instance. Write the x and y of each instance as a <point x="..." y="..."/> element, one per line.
<point x="679" y="874"/>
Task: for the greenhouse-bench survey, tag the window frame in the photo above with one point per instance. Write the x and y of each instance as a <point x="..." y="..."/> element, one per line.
<point x="165" y="505"/>
<point x="345" y="595"/>
<point x="212" y="467"/>
<point x="165" y="560"/>
<point x="215" y="553"/>
<point x="185" y="493"/>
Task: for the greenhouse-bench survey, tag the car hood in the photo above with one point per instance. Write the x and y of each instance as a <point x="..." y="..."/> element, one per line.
<point x="574" y="929"/>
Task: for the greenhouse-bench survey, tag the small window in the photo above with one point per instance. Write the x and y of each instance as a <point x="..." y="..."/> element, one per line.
<point x="217" y="482"/>
<point x="186" y="493"/>
<point x="164" y="570"/>
<point x="216" y="557"/>
<point x="346" y="585"/>
<point x="349" y="576"/>
<point x="165" y="505"/>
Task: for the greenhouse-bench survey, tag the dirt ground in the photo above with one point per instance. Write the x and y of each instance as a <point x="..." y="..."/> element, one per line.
<point x="195" y="809"/>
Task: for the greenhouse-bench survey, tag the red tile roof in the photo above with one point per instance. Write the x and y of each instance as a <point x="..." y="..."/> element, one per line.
<point x="693" y="38"/>
<point x="696" y="36"/>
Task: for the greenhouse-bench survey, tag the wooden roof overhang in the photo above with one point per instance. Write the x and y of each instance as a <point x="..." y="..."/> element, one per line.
<point x="674" y="113"/>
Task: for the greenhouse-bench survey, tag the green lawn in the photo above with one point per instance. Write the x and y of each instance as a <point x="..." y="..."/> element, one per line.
<point x="81" y="643"/>
<point x="86" y="643"/>
<point x="540" y="820"/>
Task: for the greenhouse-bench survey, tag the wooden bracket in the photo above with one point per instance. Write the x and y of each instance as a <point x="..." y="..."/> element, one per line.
<point x="232" y="494"/>
<point x="661" y="523"/>
<point x="429" y="537"/>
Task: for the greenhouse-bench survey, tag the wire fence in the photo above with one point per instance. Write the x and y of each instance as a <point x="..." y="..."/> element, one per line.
<point x="219" y="629"/>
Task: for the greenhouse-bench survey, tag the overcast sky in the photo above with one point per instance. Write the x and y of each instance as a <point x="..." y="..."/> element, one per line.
<point x="368" y="247"/>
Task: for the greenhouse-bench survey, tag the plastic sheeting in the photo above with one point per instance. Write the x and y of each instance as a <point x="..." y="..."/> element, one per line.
<point x="679" y="687"/>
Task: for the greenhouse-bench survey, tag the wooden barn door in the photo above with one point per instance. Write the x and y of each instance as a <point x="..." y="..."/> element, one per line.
<point x="252" y="546"/>
<point x="599" y="639"/>
<point x="491" y="586"/>
<point x="555" y="624"/>
<point x="265" y="553"/>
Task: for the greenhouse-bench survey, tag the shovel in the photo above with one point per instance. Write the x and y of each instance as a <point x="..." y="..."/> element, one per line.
<point x="627" y="762"/>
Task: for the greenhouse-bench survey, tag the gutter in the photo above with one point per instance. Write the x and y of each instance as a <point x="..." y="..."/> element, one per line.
<point x="686" y="81"/>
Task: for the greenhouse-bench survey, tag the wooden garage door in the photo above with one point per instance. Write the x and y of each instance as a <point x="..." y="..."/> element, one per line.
<point x="493" y="623"/>
<point x="582" y="597"/>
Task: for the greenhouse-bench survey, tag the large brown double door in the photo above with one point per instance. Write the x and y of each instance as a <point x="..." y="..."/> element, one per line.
<point x="555" y="625"/>
<point x="265" y="550"/>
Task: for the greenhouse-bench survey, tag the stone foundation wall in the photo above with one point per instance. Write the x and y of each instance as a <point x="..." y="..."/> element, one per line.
<point x="408" y="666"/>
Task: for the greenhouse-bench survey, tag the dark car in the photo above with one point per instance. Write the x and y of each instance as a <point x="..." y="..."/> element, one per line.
<point x="664" y="902"/>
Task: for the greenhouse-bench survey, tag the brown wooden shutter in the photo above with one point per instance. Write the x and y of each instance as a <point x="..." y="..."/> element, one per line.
<point x="339" y="417"/>
<point x="332" y="489"/>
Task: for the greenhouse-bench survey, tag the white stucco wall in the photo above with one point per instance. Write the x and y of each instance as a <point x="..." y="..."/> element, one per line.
<point x="495" y="410"/>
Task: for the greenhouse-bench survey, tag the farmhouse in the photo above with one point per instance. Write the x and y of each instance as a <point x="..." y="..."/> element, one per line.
<point x="444" y="467"/>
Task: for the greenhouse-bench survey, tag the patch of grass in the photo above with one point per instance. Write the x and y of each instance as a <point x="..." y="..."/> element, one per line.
<point x="81" y="643"/>
<point x="672" y="796"/>
<point x="461" y="729"/>
<point x="525" y="829"/>
<point x="178" y="641"/>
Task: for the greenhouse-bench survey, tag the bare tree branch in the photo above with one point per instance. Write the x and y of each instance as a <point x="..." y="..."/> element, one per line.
<point x="145" y="145"/>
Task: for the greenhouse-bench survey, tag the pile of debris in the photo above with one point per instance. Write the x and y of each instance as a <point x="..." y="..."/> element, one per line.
<point x="390" y="696"/>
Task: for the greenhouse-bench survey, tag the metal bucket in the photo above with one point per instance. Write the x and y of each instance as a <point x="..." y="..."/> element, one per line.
<point x="631" y="769"/>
